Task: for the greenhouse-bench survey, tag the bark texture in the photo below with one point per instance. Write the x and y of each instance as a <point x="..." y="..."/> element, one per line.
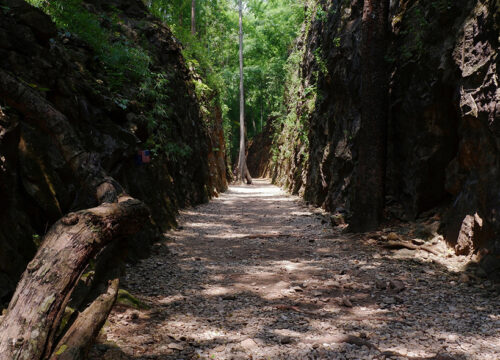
<point x="75" y="343"/>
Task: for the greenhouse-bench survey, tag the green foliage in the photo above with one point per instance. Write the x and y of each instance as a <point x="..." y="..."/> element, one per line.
<point x="442" y="5"/>
<point x="320" y="60"/>
<point x="121" y="60"/>
<point x="125" y="64"/>
<point x="155" y="95"/>
<point x="336" y="41"/>
<point x="321" y="15"/>
<point x="291" y="125"/>
<point x="5" y="9"/>
<point x="269" y="27"/>
<point x="418" y="27"/>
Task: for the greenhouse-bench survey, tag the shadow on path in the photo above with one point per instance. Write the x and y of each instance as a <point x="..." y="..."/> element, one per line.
<point x="257" y="274"/>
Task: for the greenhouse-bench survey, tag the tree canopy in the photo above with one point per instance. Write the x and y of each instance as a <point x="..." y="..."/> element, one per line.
<point x="269" y="27"/>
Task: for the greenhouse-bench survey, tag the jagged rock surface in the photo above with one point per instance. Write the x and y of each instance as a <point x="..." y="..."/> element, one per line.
<point x="37" y="186"/>
<point x="259" y="152"/>
<point x="443" y="145"/>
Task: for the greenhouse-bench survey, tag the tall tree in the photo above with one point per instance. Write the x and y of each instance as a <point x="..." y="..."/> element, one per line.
<point x="242" y="162"/>
<point x="369" y="185"/>
<point x="193" y="17"/>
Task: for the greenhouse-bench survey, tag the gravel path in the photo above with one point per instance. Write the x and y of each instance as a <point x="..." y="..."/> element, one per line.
<point x="257" y="274"/>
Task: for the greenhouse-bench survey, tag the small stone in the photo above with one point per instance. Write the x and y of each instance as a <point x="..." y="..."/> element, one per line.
<point x="464" y="278"/>
<point x="380" y="284"/>
<point x="418" y="242"/>
<point x="392" y="236"/>
<point x="134" y="316"/>
<point x="220" y="348"/>
<point x="389" y="301"/>
<point x="248" y="344"/>
<point x="286" y="340"/>
<point x="397" y="285"/>
<point x="175" y="346"/>
<point x="481" y="273"/>
<point x="346" y="302"/>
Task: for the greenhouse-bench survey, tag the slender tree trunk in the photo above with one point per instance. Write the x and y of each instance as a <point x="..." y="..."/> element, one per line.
<point x="242" y="162"/>
<point x="369" y="183"/>
<point x="193" y="17"/>
<point x="261" y="109"/>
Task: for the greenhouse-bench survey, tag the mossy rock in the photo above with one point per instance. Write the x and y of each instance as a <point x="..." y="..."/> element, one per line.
<point x="127" y="299"/>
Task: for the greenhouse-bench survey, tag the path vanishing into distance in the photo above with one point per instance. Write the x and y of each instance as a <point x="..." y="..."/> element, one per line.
<point x="258" y="274"/>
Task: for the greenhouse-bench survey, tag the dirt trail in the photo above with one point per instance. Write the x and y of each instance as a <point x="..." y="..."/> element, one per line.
<point x="257" y="274"/>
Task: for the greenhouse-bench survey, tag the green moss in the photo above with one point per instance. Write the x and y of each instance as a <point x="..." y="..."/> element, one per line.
<point x="47" y="303"/>
<point x="68" y="312"/>
<point x="61" y="349"/>
<point x="37" y="240"/>
<point x="127" y="299"/>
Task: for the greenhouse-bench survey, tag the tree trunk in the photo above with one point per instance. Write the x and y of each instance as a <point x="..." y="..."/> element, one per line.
<point x="261" y="109"/>
<point x="35" y="311"/>
<point x="75" y="343"/>
<point x="369" y="183"/>
<point x="242" y="162"/>
<point x="193" y="17"/>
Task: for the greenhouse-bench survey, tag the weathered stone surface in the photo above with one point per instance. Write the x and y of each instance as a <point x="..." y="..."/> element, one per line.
<point x="443" y="130"/>
<point x="259" y="152"/>
<point x="38" y="185"/>
<point x="469" y="236"/>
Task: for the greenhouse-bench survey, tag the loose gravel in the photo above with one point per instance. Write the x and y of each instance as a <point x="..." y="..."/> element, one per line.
<point x="258" y="274"/>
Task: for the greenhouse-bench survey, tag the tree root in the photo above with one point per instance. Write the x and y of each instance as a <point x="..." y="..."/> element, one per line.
<point x="407" y="245"/>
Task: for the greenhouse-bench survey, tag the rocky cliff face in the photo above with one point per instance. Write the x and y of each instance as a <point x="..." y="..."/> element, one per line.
<point x="37" y="185"/>
<point x="259" y="150"/>
<point x="444" y="110"/>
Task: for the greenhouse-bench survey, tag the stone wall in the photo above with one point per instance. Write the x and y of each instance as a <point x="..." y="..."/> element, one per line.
<point x="37" y="185"/>
<point x="444" y="111"/>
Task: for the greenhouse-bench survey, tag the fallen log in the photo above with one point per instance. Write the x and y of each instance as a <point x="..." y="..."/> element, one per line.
<point x="74" y="344"/>
<point x="29" y="328"/>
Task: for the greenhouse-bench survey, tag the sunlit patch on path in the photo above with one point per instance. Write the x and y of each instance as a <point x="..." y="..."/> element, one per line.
<point x="256" y="274"/>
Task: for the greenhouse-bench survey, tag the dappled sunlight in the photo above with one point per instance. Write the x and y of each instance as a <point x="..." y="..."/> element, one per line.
<point x="263" y="278"/>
